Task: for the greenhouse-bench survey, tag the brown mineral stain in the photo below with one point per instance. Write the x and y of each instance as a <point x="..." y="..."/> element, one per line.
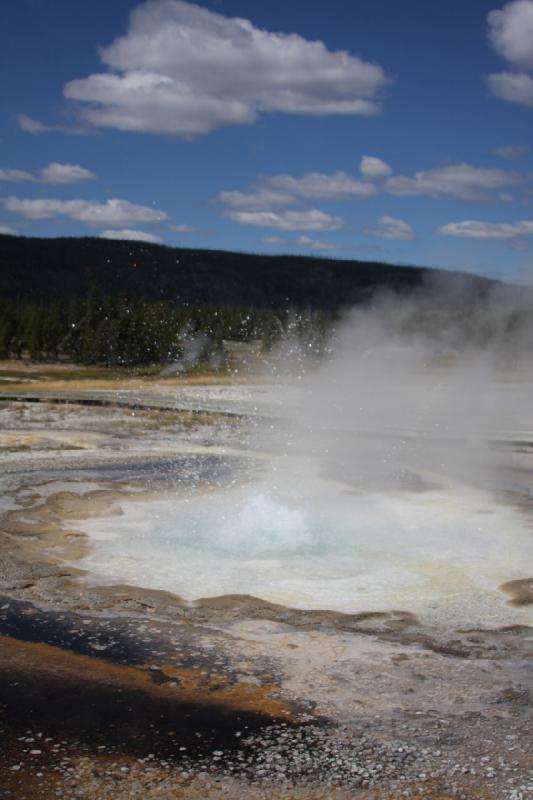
<point x="244" y="696"/>
<point x="521" y="591"/>
<point x="183" y="685"/>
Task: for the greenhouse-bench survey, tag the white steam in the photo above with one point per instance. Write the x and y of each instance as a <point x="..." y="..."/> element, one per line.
<point x="380" y="465"/>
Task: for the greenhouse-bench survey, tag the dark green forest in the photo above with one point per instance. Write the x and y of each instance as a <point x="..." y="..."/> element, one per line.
<point x="96" y="301"/>
<point x="39" y="269"/>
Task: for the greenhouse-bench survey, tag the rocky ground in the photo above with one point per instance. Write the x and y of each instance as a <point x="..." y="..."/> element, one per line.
<point x="117" y="692"/>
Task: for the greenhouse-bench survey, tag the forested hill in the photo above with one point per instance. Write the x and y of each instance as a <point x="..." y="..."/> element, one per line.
<point x="35" y="270"/>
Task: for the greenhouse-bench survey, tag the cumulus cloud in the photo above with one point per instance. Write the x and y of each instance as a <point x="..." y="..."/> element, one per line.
<point x="7" y="230"/>
<point x="113" y="212"/>
<point x="16" y="175"/>
<point x="461" y="181"/>
<point x="392" y="228"/>
<point x="314" y="244"/>
<point x="277" y="191"/>
<point x="262" y="199"/>
<point x="475" y="229"/>
<point x="35" y="126"/>
<point x="185" y="70"/>
<point x="515" y="87"/>
<point x="510" y="31"/>
<point x="274" y="240"/>
<point x="317" y="185"/>
<point x="54" y="173"/>
<point x="183" y="228"/>
<point x="30" y="125"/>
<point x="301" y="241"/>
<point x="511" y="151"/>
<point x="65" y="173"/>
<point x="131" y="235"/>
<point x="374" y="169"/>
<point x="309" y="220"/>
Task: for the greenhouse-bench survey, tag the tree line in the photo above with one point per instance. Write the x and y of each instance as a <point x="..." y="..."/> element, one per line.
<point x="120" y="331"/>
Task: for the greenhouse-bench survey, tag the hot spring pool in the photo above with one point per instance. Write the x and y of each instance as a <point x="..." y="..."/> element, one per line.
<point x="441" y="554"/>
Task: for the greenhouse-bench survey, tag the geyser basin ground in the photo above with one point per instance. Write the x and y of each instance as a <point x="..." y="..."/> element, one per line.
<point x="458" y="699"/>
<point x="441" y="554"/>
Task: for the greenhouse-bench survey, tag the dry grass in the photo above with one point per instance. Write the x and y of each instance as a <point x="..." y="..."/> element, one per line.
<point x="24" y="376"/>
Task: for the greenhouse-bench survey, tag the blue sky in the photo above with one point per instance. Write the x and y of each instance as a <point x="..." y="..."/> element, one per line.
<point x="396" y="131"/>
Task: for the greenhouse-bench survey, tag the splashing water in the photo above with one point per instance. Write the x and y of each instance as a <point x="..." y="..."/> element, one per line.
<point x="255" y="525"/>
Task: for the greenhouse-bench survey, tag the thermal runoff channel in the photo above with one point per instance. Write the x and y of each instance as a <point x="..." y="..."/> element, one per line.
<point x="376" y="478"/>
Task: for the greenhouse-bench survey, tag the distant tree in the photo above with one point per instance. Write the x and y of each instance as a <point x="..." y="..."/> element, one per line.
<point x="54" y="327"/>
<point x="7" y="329"/>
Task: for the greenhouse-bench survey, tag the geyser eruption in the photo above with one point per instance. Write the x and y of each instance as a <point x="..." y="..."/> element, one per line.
<point x="374" y="479"/>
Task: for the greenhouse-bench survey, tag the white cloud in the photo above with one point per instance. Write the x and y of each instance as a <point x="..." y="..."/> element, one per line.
<point x="30" y="125"/>
<point x="511" y="34"/>
<point x="392" y="228"/>
<point x="374" y="169"/>
<point x="515" y="87"/>
<point x="277" y="191"/>
<point x="130" y="235"/>
<point x="185" y="70"/>
<point x="310" y="220"/>
<point x="260" y="200"/>
<point x="275" y="240"/>
<point x="35" y="126"/>
<point x="54" y="173"/>
<point x="183" y="228"/>
<point x="16" y="175"/>
<point x="317" y="185"/>
<point x="266" y="205"/>
<point x="7" y="230"/>
<point x="113" y="212"/>
<point x="511" y="151"/>
<point x="462" y="181"/>
<point x="65" y="173"/>
<point x="314" y="244"/>
<point x="301" y="241"/>
<point x="474" y="229"/>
